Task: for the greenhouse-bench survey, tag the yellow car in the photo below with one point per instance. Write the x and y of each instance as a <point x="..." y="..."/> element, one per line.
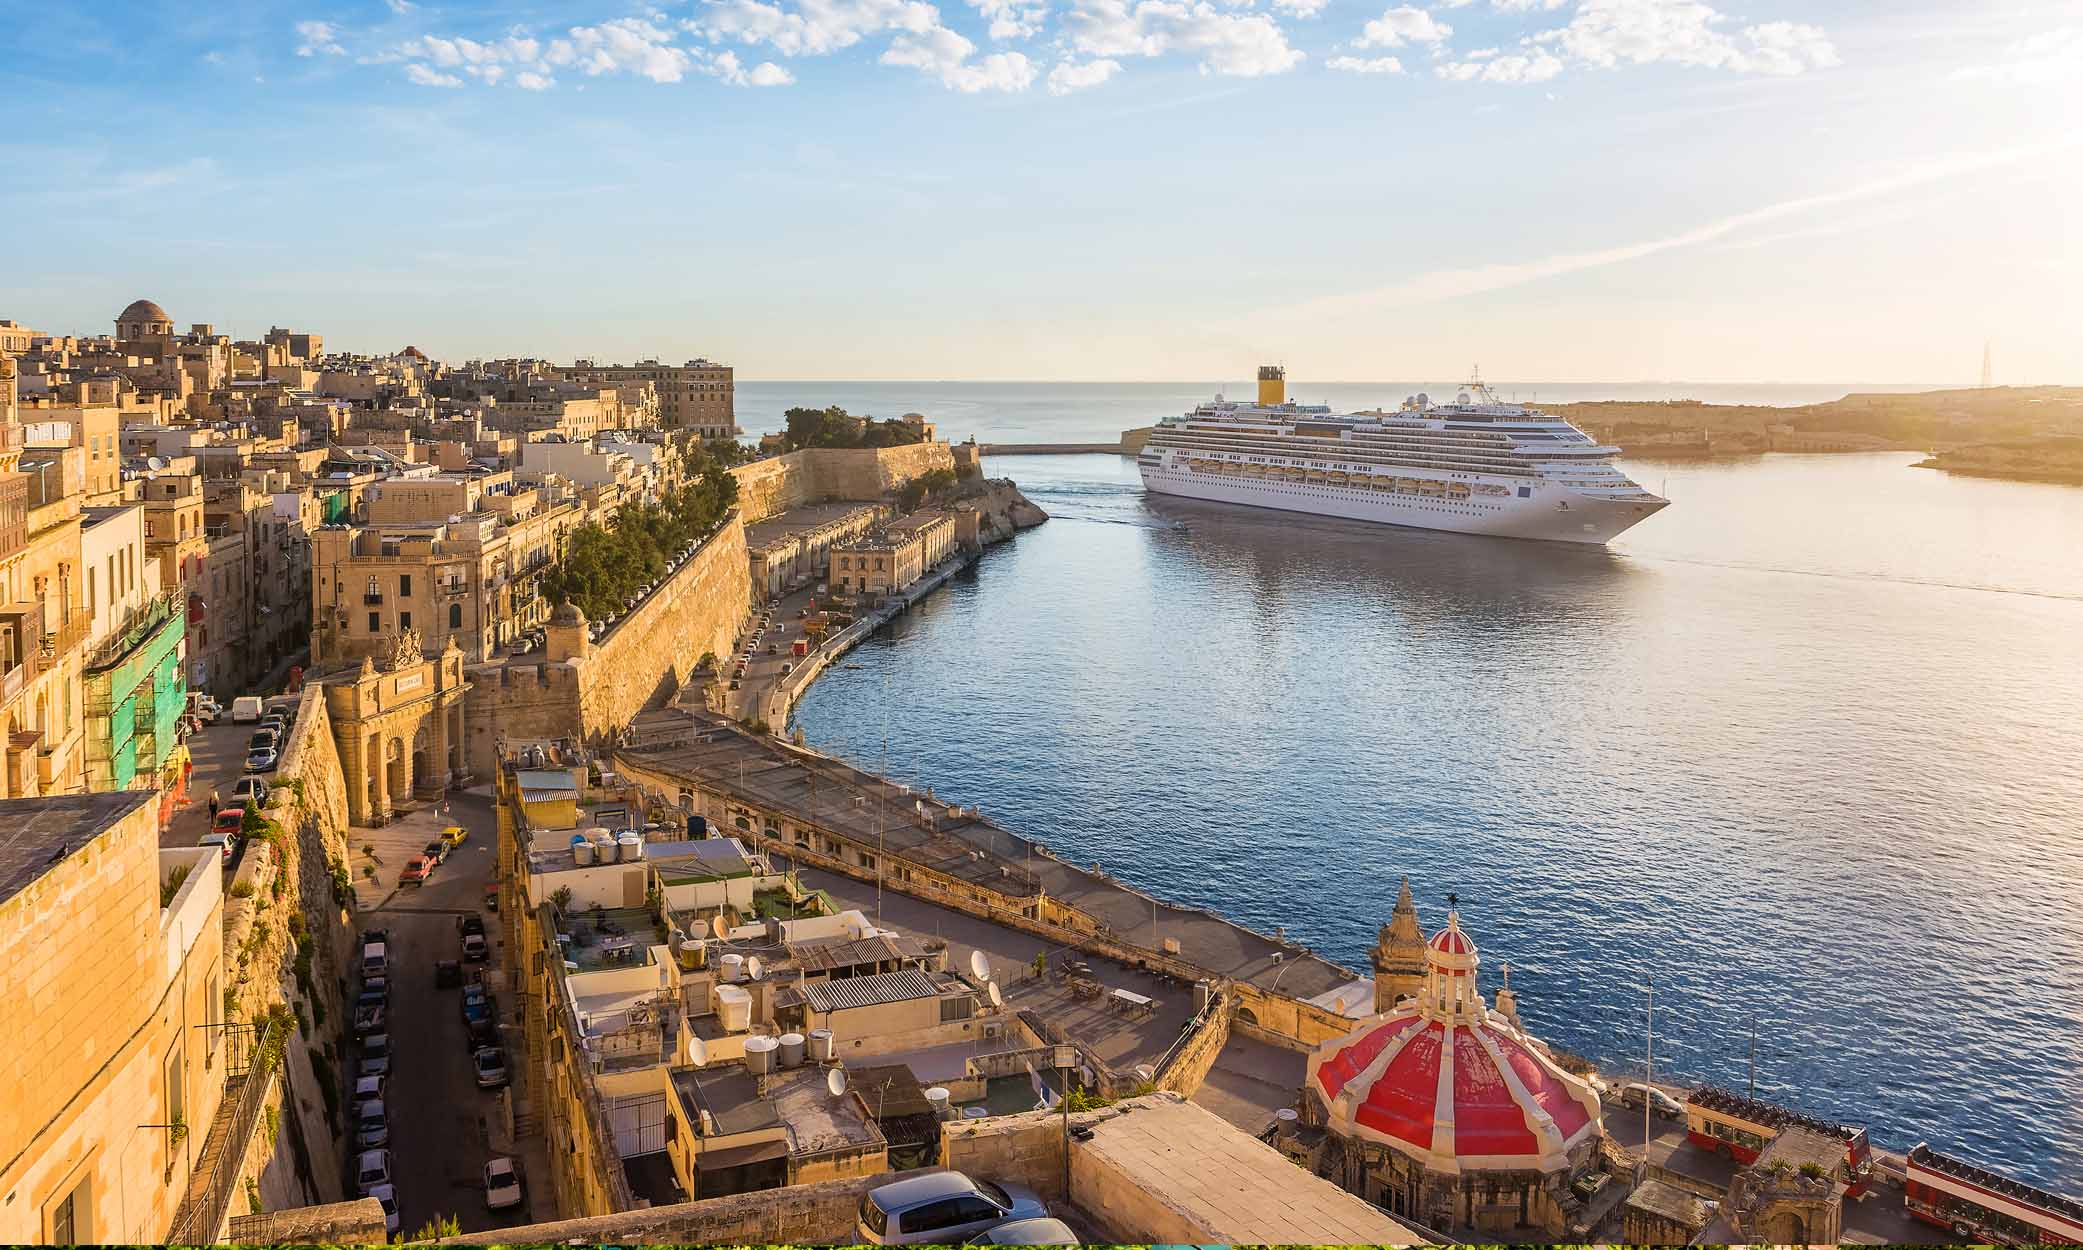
<point x="454" y="835"/>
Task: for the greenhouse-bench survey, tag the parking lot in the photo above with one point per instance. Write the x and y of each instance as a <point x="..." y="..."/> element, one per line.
<point x="443" y="1128"/>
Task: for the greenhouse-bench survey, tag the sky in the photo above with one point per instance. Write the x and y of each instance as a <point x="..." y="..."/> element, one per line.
<point x="1563" y="190"/>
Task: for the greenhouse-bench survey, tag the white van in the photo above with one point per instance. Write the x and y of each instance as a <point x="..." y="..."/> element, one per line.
<point x="245" y="708"/>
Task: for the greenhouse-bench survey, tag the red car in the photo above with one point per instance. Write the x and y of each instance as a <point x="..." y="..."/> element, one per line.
<point x="229" y="821"/>
<point x="417" y="872"/>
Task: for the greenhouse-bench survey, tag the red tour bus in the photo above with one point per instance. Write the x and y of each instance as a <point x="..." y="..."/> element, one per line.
<point x="1985" y="1207"/>
<point x="1739" y="1127"/>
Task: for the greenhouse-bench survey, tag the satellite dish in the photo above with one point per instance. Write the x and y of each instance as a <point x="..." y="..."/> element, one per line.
<point x="980" y="964"/>
<point x="835" y="1080"/>
<point x="752" y="968"/>
<point x="991" y="991"/>
<point x="699" y="1049"/>
<point x="718" y="927"/>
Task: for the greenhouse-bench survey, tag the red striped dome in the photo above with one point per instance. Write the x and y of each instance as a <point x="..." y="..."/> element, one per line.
<point x="1451" y="941"/>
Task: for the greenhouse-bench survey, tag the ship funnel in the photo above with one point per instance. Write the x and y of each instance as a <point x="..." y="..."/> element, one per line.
<point x="1272" y="386"/>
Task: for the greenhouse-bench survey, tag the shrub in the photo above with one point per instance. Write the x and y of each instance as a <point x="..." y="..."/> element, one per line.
<point x="172" y="885"/>
<point x="242" y="889"/>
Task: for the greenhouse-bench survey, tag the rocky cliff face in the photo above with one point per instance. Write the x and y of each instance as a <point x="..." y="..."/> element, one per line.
<point x="1005" y="510"/>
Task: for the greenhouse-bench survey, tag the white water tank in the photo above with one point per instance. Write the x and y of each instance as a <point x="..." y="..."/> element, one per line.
<point x="733" y="967"/>
<point x="734" y="1008"/>
<point x="581" y="852"/>
<point x="791" y="1050"/>
<point x="820" y="1045"/>
<point x="759" y="1054"/>
<point x="632" y="845"/>
<point x="937" y="1098"/>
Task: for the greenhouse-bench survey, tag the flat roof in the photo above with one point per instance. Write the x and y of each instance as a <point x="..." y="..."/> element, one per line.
<point x="804" y="520"/>
<point x="730" y="1096"/>
<point x="37" y="834"/>
<point x="1230" y="1186"/>
<point x="902" y="986"/>
<point x="818" y="1122"/>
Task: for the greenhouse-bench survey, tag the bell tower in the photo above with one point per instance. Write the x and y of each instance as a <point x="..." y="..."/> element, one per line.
<point x="1399" y="954"/>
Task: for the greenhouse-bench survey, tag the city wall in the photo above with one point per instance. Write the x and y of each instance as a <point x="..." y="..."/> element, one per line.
<point x="282" y="900"/>
<point x="651" y="652"/>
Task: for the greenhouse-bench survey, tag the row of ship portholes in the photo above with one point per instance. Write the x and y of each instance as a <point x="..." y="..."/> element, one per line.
<point x="1445" y="489"/>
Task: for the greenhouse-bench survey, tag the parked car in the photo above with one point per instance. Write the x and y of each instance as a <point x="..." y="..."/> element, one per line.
<point x="261" y="761"/>
<point x="230" y="821"/>
<point x="467" y="925"/>
<point x="251" y="791"/>
<point x="474" y="947"/>
<point x="454" y="835"/>
<point x="378" y="988"/>
<point x="1632" y="1094"/>
<point x="368" y="1089"/>
<point x="1047" y="1231"/>
<point x="371" y="1127"/>
<point x="490" y="1063"/>
<point x="502" y="1184"/>
<point x="224" y="842"/>
<point x="417" y="872"/>
<point x="205" y="709"/>
<point x="376" y="1055"/>
<point x="368" y="1017"/>
<point x="943" y="1207"/>
<point x="387" y="1197"/>
<point x="448" y="974"/>
<point x="376" y="957"/>
<point x="266" y="737"/>
<point x="371" y="1170"/>
<point x="245" y="708"/>
<point x="437" y="850"/>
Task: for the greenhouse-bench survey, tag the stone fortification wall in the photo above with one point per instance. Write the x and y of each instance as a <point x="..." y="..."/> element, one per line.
<point x="1186" y="1067"/>
<point x="287" y="934"/>
<point x="643" y="660"/>
<point x="779" y="483"/>
<point x="818" y="1214"/>
<point x="517" y="701"/>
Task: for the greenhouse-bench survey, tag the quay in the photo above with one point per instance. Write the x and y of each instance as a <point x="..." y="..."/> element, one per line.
<point x="1055" y="449"/>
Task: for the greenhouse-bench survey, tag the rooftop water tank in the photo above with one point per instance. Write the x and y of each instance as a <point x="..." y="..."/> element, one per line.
<point x="694" y="954"/>
<point x="632" y="846"/>
<point x="732" y="967"/>
<point x="734" y="1008"/>
<point x="759" y="1054"/>
<point x="975" y="1113"/>
<point x="581" y="852"/>
<point x="791" y="1050"/>
<point x="820" y="1045"/>
<point x="936" y="1098"/>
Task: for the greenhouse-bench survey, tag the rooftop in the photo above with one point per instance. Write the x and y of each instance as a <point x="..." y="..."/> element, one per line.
<point x="800" y="521"/>
<point x="729" y="1094"/>
<point x="846" y="993"/>
<point x="818" y="1122"/>
<point x="37" y="834"/>
<point x="1666" y="1201"/>
<point x="962" y="844"/>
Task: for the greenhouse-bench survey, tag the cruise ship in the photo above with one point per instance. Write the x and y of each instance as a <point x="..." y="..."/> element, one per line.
<point x="1476" y="465"/>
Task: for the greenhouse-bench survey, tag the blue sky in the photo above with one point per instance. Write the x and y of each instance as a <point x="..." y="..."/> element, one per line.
<point x="1566" y="190"/>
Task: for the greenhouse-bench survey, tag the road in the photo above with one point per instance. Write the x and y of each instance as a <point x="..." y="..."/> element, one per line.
<point x="218" y="753"/>
<point x="443" y="1127"/>
<point x="763" y="670"/>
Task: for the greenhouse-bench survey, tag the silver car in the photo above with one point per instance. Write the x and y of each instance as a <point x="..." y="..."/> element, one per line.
<point x="944" y="1207"/>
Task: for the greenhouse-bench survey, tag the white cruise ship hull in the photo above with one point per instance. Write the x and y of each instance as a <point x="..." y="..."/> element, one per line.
<point x="1551" y="513"/>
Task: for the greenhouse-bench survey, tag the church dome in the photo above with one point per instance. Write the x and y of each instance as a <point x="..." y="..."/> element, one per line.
<point x="143" y="310"/>
<point x="1444" y="1080"/>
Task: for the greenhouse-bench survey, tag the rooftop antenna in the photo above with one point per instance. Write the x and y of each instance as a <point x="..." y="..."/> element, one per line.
<point x="980" y="965"/>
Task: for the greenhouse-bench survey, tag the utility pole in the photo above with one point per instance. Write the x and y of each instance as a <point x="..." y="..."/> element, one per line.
<point x="1648" y="1081"/>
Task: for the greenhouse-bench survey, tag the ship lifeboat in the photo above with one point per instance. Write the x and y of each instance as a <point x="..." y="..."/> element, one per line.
<point x="1383" y="483"/>
<point x="1491" y="488"/>
<point x="1337" y="476"/>
<point x="1432" y="488"/>
<point x="1457" y="490"/>
<point x="1408" y="485"/>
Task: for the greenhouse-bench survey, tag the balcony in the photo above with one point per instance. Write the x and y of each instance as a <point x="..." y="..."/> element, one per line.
<point x="14" y="510"/>
<point x="372" y="600"/>
<point x="62" y="641"/>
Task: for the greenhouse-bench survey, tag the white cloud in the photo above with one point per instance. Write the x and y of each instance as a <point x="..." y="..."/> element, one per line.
<point x="726" y="67"/>
<point x="1011" y="19"/>
<point x="531" y="80"/>
<point x="1488" y="65"/>
<point x="1068" y="76"/>
<point x="430" y="78"/>
<point x="1401" y="25"/>
<point x="1305" y="8"/>
<point x="401" y="7"/>
<point x="1526" y="6"/>
<point x="625" y="45"/>
<point x="2050" y="56"/>
<point x="941" y="53"/>
<point x="319" y="39"/>
<point x="1366" y="65"/>
<point x="1606" y="33"/>
<point x="1244" y="45"/>
<point x="810" y="27"/>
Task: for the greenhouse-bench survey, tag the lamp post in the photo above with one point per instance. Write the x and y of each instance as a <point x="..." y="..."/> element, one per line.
<point x="1648" y="1081"/>
<point x="1066" y="1058"/>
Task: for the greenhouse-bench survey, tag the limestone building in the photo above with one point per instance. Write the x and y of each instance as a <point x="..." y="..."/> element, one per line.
<point x="1447" y="1112"/>
<point x="398" y="727"/>
<point x="699" y="395"/>
<point x="113" y="1043"/>
<point x="892" y="559"/>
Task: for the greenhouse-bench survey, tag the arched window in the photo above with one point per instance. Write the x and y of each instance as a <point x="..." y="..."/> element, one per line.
<point x="455" y="616"/>
<point x="742" y="823"/>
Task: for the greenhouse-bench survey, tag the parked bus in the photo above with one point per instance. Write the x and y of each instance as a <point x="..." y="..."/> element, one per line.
<point x="1739" y="1127"/>
<point x="1985" y="1207"/>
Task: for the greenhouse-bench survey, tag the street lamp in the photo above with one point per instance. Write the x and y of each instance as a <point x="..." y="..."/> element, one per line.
<point x="1066" y="1058"/>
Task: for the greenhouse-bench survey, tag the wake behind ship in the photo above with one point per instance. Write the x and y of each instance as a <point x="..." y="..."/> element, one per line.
<point x="1473" y="466"/>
